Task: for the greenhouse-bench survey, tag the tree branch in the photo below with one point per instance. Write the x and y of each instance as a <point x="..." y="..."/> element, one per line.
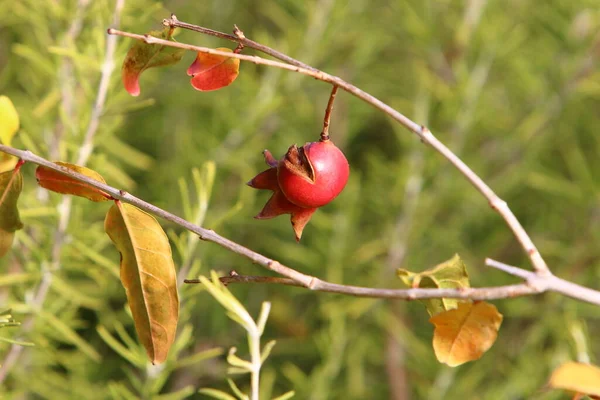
<point x="536" y="283"/>
<point x="497" y="204"/>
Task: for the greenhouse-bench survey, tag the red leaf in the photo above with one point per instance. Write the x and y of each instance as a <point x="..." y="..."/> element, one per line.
<point x="142" y="56"/>
<point x="212" y="72"/>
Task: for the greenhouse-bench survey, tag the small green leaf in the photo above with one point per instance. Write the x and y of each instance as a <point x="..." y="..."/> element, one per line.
<point x="11" y="184"/>
<point x="286" y="396"/>
<point x="216" y="394"/>
<point x="451" y="274"/>
<point x="142" y="56"/>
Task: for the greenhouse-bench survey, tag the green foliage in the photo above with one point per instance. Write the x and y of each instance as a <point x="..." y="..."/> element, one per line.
<point x="451" y="274"/>
<point x="511" y="89"/>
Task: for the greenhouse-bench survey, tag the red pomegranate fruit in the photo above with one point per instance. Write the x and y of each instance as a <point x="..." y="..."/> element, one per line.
<point x="305" y="179"/>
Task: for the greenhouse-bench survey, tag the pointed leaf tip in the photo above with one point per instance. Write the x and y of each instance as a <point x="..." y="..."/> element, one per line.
<point x="212" y="72"/>
<point x="60" y="183"/>
<point x="142" y="56"/>
<point x="148" y="276"/>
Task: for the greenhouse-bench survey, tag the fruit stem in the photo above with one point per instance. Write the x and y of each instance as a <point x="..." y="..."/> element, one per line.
<point x="325" y="132"/>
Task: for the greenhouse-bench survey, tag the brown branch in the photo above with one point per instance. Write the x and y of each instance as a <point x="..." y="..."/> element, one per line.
<point x="496" y="203"/>
<point x="327" y="118"/>
<point x="536" y="283"/>
<point x="234" y="277"/>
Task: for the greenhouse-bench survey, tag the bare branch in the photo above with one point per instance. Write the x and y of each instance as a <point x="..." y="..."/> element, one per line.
<point x="536" y="284"/>
<point x="497" y="204"/>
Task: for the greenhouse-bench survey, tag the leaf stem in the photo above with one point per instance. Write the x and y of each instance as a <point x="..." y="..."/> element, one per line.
<point x="325" y="132"/>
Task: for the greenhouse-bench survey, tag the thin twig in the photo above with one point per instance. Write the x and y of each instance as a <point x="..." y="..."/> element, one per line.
<point x="226" y="280"/>
<point x="496" y="203"/>
<point x="536" y="284"/>
<point x="327" y="118"/>
<point x="239" y="38"/>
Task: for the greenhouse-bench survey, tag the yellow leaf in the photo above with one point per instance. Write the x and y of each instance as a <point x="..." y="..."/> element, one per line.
<point x="61" y="183"/>
<point x="148" y="275"/>
<point x="577" y="377"/>
<point x="464" y="334"/>
<point x="9" y="120"/>
<point x="451" y="274"/>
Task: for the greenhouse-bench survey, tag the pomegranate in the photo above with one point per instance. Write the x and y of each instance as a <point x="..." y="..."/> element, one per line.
<point x="305" y="179"/>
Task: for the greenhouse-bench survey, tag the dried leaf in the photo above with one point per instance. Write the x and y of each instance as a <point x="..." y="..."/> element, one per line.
<point x="464" y="334"/>
<point x="11" y="184"/>
<point x="577" y="377"/>
<point x="451" y="274"/>
<point x="60" y="183"/>
<point x="148" y="275"/>
<point x="142" y="56"/>
<point x="212" y="72"/>
<point x="9" y="120"/>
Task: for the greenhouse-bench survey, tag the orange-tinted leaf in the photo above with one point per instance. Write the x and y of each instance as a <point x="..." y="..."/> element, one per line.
<point x="577" y="377"/>
<point x="148" y="275"/>
<point x="142" y="56"/>
<point x="11" y="184"/>
<point x="60" y="183"/>
<point x="465" y="333"/>
<point x="212" y="72"/>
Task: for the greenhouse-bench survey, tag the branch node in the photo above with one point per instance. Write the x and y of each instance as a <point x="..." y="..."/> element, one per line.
<point x="238" y="32"/>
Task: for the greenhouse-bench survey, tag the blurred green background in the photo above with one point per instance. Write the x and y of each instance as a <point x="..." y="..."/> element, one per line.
<point x="513" y="87"/>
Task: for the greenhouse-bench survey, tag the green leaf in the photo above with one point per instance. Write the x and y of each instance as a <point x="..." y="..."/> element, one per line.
<point x="11" y="184"/>
<point x="17" y="342"/>
<point x="216" y="394"/>
<point x="286" y="396"/>
<point x="148" y="275"/>
<point x="451" y="274"/>
<point x="142" y="56"/>
<point x="178" y="395"/>
<point x="69" y="335"/>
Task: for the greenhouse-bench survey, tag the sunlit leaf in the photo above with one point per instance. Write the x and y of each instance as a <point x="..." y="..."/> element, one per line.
<point x="148" y="275"/>
<point x="577" y="377"/>
<point x="9" y="120"/>
<point x="451" y="274"/>
<point x="60" y="183"/>
<point x="142" y="56"/>
<point x="11" y="184"/>
<point x="464" y="334"/>
<point x="212" y="72"/>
